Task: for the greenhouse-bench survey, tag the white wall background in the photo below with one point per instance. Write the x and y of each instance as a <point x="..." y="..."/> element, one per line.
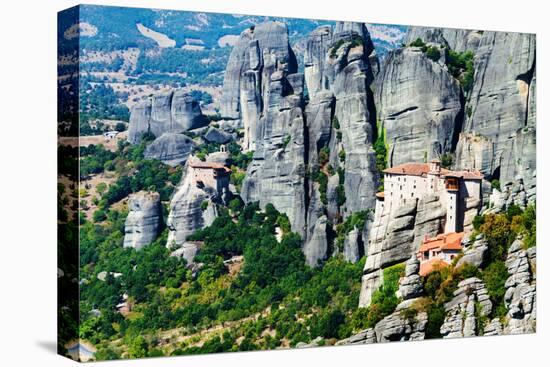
<point x="28" y="181"/>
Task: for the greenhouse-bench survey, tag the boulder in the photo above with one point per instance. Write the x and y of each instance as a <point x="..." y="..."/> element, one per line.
<point x="215" y="135"/>
<point x="173" y="112"/>
<point x="170" y="148"/>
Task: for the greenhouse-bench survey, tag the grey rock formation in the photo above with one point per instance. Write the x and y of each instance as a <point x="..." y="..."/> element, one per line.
<point x="471" y="301"/>
<point x="353" y="246"/>
<point x="399" y="327"/>
<point x="419" y="105"/>
<point x="410" y="286"/>
<point x="144" y="219"/>
<point x="348" y="73"/>
<point x="260" y="51"/>
<point x="367" y="336"/>
<point x="187" y="251"/>
<point x="170" y="148"/>
<point x="186" y="214"/>
<point x="315" y="248"/>
<point x="318" y="43"/>
<point x="501" y="106"/>
<point x="395" y="236"/>
<point x="520" y="297"/>
<point x="277" y="172"/>
<point x="215" y="135"/>
<point x="174" y="111"/>
<point x="493" y="328"/>
<point x="475" y="252"/>
<point x="456" y="39"/>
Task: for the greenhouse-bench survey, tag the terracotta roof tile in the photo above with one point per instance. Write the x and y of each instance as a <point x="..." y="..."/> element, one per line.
<point x="448" y="241"/>
<point x="428" y="266"/>
<point x="212" y="165"/>
<point x="412" y="169"/>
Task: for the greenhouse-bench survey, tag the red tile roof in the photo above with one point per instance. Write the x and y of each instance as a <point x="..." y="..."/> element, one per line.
<point x="412" y="169"/>
<point x="422" y="169"/>
<point x="433" y="264"/>
<point x="211" y="165"/>
<point x="448" y="241"/>
<point x="380" y="194"/>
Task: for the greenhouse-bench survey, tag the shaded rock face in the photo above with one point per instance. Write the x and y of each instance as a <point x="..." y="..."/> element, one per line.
<point x="395" y="236"/>
<point x="459" y="40"/>
<point x="353" y="246"/>
<point x="188" y="251"/>
<point x="520" y="297"/>
<point x="186" y="214"/>
<point x="215" y="135"/>
<point x="397" y="327"/>
<point x="502" y="105"/>
<point x="144" y="219"/>
<point x="410" y="286"/>
<point x="260" y="51"/>
<point x="174" y="111"/>
<point x="318" y="43"/>
<point x="170" y="148"/>
<point x="367" y="336"/>
<point x="474" y="253"/>
<point x="471" y="301"/>
<point x="349" y="76"/>
<point x="419" y="104"/>
<point x="315" y="248"/>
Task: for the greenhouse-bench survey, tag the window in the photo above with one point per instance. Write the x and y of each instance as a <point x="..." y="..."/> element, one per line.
<point x="412" y="194"/>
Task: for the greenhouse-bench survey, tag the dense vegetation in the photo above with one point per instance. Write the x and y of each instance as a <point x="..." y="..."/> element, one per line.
<point x="291" y="301"/>
<point x="134" y="172"/>
<point x="100" y="101"/>
<point x="459" y="64"/>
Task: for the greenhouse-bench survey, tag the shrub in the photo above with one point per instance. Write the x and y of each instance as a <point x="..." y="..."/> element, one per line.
<point x="99" y="216"/>
<point x="417" y="43"/>
<point x="433" y="53"/>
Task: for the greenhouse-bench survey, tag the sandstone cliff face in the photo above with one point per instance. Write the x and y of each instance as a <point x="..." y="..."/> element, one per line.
<point x="172" y="112"/>
<point x="419" y="104"/>
<point x="144" y="219"/>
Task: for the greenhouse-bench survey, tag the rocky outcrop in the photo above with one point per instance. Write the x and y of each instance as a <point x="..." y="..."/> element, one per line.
<point x="501" y="106"/>
<point x="395" y="236"/>
<point x="520" y="297"/>
<point x="349" y="75"/>
<point x="277" y="172"/>
<point x="367" y="336"/>
<point x="261" y="50"/>
<point x="470" y="303"/>
<point x="410" y="286"/>
<point x="215" y="135"/>
<point x="174" y="112"/>
<point x="459" y="40"/>
<point x="170" y="148"/>
<point x="475" y="252"/>
<point x="400" y="326"/>
<point x="353" y="246"/>
<point x="144" y="219"/>
<point x="315" y="247"/>
<point x="419" y="106"/>
<point x="187" y="251"/>
<point x="187" y="212"/>
<point x="318" y="43"/>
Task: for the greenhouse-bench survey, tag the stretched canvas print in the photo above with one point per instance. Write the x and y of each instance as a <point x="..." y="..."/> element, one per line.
<point x="234" y="183"/>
